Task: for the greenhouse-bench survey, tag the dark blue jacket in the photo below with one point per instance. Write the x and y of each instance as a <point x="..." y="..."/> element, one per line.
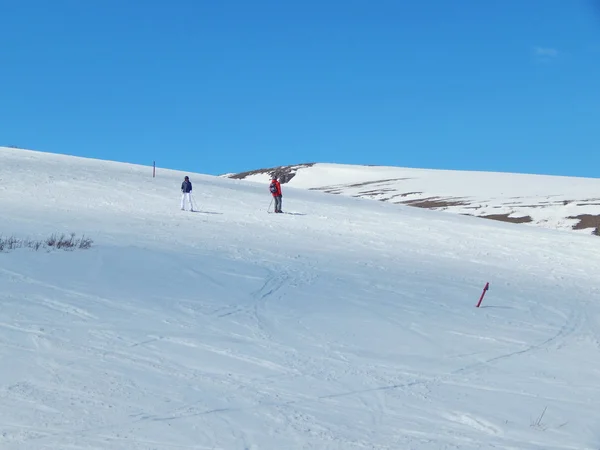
<point x="186" y="186"/>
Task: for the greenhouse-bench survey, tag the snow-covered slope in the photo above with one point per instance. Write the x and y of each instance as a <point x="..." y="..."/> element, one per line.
<point x="546" y="201"/>
<point x="345" y="324"/>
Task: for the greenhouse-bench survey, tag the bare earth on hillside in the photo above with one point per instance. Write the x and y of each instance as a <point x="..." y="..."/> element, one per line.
<point x="587" y="221"/>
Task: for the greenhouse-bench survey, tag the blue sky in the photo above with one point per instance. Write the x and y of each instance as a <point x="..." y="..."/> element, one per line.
<point x="232" y="85"/>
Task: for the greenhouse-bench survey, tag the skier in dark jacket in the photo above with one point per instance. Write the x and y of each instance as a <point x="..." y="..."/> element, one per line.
<point x="275" y="188"/>
<point x="186" y="190"/>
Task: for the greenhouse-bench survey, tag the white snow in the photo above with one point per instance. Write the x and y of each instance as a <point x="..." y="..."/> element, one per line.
<point x="550" y="201"/>
<point x="347" y="324"/>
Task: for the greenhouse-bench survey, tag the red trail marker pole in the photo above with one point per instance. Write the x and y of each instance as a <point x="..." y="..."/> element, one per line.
<point x="487" y="286"/>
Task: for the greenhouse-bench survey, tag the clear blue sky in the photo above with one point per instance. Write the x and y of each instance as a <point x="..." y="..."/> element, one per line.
<point x="217" y="86"/>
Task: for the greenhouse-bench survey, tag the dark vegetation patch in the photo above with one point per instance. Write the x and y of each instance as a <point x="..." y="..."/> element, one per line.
<point x="55" y="241"/>
<point x="283" y="173"/>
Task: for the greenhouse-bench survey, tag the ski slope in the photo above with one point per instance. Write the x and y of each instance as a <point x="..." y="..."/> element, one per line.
<point x="344" y="324"/>
<point x="565" y="203"/>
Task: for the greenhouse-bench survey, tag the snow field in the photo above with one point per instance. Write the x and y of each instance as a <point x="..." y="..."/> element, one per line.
<point x="348" y="324"/>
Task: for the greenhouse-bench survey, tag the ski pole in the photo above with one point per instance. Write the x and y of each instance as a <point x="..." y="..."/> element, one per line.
<point x="269" y="208"/>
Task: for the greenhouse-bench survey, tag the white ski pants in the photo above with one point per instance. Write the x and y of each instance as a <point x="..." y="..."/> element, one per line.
<point x="188" y="196"/>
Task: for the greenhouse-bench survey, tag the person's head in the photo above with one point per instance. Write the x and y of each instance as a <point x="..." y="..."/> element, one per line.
<point x="274" y="178"/>
<point x="187" y="178"/>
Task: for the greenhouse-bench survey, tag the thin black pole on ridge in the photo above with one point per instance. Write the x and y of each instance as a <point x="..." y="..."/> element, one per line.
<point x="153" y="169"/>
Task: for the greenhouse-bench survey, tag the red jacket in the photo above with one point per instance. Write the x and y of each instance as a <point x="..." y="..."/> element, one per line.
<point x="277" y="186"/>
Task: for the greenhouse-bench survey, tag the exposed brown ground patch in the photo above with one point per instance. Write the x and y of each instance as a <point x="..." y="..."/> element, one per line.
<point x="501" y="218"/>
<point x="506" y="218"/>
<point x="587" y="221"/>
<point x="435" y="202"/>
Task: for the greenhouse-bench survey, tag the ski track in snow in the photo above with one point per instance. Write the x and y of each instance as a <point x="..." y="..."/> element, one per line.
<point x="349" y="325"/>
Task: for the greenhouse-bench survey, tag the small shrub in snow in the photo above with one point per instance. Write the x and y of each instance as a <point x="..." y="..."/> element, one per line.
<point x="54" y="241"/>
<point x="85" y="243"/>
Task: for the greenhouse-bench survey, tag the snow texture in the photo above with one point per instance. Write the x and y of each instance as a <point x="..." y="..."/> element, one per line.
<point x="343" y="324"/>
<point x="554" y="202"/>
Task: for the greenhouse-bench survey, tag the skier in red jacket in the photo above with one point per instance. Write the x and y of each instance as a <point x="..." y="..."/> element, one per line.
<point x="275" y="189"/>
